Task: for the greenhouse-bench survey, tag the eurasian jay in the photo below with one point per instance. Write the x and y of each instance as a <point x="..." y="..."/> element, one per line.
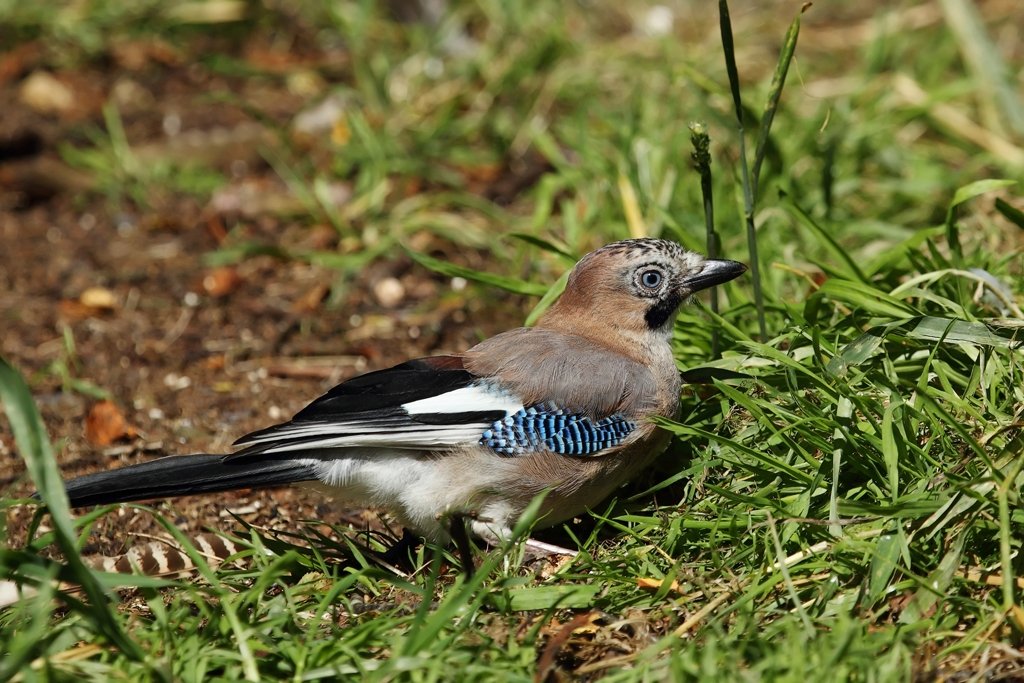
<point x="563" y="408"/>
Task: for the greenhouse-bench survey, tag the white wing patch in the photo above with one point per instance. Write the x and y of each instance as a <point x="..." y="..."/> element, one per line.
<point x="400" y="429"/>
<point x="476" y="398"/>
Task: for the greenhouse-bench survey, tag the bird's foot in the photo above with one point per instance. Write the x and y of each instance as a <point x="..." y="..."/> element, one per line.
<point x="400" y="554"/>
<point x="535" y="550"/>
<point x="457" y="531"/>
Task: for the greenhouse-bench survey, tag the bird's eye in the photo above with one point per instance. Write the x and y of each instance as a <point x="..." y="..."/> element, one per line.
<point x="651" y="279"/>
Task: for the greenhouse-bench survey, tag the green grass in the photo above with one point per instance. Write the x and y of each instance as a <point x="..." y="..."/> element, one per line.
<point x="850" y="511"/>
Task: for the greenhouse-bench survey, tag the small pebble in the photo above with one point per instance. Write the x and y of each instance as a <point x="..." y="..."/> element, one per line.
<point x="173" y="380"/>
<point x="44" y="93"/>
<point x="389" y="292"/>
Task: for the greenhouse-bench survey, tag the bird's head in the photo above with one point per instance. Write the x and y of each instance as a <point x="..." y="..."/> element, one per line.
<point x="635" y="286"/>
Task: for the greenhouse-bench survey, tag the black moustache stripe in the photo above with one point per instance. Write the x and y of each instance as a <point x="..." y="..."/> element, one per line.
<point x="658" y="314"/>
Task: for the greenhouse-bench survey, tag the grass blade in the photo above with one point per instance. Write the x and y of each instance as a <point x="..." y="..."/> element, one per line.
<point x="867" y="298"/>
<point x="725" y="24"/>
<point x="702" y="161"/>
<point x="982" y="56"/>
<point x="1012" y="213"/>
<point x="549" y="298"/>
<point x="965" y="193"/>
<point x="34" y="446"/>
<point x="774" y="93"/>
<point x="509" y="284"/>
<point x="827" y="241"/>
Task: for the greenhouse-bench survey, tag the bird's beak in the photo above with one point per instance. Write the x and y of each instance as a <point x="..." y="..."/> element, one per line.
<point x="714" y="272"/>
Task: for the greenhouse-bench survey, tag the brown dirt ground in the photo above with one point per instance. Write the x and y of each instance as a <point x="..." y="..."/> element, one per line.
<point x="190" y="369"/>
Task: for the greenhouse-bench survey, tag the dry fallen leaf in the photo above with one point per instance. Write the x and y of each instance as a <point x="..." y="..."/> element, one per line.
<point x="221" y="281"/>
<point x="105" y="424"/>
<point x="137" y="55"/>
<point x="215" y="362"/>
<point x="655" y="584"/>
<point x="74" y="310"/>
<point x="310" y="301"/>
<point x="92" y="302"/>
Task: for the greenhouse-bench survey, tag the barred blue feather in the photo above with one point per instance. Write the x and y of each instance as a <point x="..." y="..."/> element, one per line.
<point x="549" y="428"/>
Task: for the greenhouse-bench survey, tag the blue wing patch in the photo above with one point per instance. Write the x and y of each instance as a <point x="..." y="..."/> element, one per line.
<point x="549" y="428"/>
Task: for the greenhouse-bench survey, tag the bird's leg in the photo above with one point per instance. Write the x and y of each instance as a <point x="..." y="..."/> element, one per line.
<point x="457" y="529"/>
<point x="398" y="554"/>
<point x="494" y="536"/>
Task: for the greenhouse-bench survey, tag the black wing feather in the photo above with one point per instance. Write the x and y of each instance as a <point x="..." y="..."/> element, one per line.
<point x="384" y="390"/>
<point x="374" y="401"/>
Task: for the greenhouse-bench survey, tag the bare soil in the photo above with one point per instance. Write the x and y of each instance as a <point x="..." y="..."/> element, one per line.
<point x="193" y="356"/>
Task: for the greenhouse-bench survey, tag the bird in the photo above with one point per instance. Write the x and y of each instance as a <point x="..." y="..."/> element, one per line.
<point x="564" y="408"/>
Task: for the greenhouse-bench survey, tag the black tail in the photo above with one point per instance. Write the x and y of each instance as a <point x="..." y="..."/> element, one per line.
<point x="183" y="475"/>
